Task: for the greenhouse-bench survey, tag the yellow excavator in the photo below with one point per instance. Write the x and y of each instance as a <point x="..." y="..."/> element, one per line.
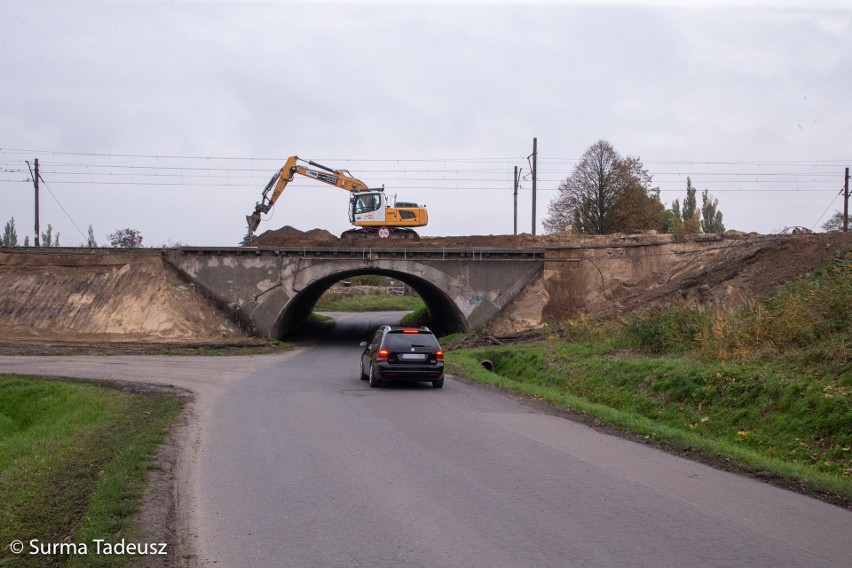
<point x="369" y="209"/>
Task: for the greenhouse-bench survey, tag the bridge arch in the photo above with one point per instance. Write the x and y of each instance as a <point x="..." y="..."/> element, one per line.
<point x="445" y="317"/>
<point x="272" y="292"/>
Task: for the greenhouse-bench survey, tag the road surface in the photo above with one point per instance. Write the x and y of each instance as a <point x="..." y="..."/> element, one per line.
<point x="296" y="462"/>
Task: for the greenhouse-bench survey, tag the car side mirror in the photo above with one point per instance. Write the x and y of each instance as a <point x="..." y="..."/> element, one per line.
<point x="363" y="344"/>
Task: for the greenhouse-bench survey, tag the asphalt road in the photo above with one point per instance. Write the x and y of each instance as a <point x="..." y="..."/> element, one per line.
<point x="296" y="462"/>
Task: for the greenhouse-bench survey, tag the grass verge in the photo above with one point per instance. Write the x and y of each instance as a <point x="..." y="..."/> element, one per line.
<point x="74" y="459"/>
<point x="368" y="303"/>
<point x="766" y="388"/>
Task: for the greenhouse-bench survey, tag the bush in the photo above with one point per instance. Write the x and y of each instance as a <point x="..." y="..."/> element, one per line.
<point x="667" y="330"/>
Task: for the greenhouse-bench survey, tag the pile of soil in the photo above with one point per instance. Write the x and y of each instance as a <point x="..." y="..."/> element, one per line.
<point x="50" y="298"/>
<point x="288" y="236"/>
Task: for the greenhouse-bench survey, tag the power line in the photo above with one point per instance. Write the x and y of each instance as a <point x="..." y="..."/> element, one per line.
<point x="61" y="207"/>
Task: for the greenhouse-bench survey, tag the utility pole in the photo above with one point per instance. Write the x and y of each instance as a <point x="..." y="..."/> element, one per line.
<point x="846" y="202"/>
<point x="517" y="179"/>
<point x="35" y="184"/>
<point x="534" y="176"/>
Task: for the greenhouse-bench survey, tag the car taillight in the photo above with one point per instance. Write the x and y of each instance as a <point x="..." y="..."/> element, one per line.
<point x="439" y="355"/>
<point x="383" y="354"/>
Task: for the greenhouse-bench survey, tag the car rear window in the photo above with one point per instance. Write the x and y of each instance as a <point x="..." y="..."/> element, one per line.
<point x="400" y="340"/>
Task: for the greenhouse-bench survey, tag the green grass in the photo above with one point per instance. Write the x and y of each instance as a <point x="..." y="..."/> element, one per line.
<point x="767" y="387"/>
<point x="368" y="303"/>
<point x="418" y="317"/>
<point x="74" y="459"/>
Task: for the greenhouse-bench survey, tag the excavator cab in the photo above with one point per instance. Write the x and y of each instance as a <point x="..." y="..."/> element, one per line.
<point x="367" y="206"/>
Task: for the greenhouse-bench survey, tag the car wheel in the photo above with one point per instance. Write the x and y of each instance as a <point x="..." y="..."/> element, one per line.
<point x="438" y="384"/>
<point x="361" y="369"/>
<point x="374" y="381"/>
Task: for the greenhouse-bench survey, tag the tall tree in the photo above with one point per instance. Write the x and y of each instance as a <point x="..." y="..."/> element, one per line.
<point x="690" y="213"/>
<point x="47" y="238"/>
<point x="125" y="238"/>
<point x="10" y="234"/>
<point x="711" y="217"/>
<point x="601" y="193"/>
<point x="92" y="243"/>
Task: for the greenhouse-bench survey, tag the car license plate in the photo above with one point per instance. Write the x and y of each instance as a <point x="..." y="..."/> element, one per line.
<point x="412" y="356"/>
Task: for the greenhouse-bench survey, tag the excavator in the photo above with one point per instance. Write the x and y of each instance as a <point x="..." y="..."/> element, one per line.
<point x="375" y="215"/>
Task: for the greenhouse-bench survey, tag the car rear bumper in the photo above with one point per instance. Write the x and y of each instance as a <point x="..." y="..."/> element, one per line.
<point x="409" y="372"/>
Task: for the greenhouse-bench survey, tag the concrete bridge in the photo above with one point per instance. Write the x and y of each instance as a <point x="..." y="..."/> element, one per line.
<point x="273" y="291"/>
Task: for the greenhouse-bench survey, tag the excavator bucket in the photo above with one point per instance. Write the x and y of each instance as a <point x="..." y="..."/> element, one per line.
<point x="253" y="221"/>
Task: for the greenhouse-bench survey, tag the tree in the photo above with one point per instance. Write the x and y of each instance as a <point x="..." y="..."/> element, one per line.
<point x="125" y="238"/>
<point x="605" y="193"/>
<point x="689" y="214"/>
<point x="834" y="223"/>
<point x="688" y="218"/>
<point x="711" y="218"/>
<point x="672" y="222"/>
<point x="637" y="206"/>
<point x="10" y="234"/>
<point x="92" y="243"/>
<point x="248" y="237"/>
<point x="47" y="238"/>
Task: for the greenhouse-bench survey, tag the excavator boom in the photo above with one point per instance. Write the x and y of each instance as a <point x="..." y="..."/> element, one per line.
<point x="368" y="208"/>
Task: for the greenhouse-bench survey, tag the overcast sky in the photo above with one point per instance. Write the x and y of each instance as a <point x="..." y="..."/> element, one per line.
<point x="169" y="117"/>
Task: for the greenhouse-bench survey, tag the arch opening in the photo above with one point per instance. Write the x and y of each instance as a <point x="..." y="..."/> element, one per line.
<point x="444" y="316"/>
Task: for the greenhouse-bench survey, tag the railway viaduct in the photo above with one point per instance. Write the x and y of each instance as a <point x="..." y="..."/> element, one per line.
<point x="273" y="290"/>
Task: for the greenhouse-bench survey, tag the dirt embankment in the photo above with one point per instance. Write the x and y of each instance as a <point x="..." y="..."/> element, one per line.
<point x="53" y="298"/>
<point x="120" y="302"/>
<point x="633" y="273"/>
<point x="733" y="272"/>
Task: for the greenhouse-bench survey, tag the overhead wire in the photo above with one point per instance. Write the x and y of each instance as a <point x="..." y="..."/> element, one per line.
<point x="469" y="174"/>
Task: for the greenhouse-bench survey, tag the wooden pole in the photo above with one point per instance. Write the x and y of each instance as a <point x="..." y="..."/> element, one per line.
<point x="35" y="182"/>
<point x="534" y="176"/>
<point x="516" y="200"/>
<point x="846" y="202"/>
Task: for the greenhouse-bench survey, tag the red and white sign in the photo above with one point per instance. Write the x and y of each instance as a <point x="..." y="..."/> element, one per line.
<point x="384" y="233"/>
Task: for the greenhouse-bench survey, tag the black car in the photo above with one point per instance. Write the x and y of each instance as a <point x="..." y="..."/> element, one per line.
<point x="398" y="353"/>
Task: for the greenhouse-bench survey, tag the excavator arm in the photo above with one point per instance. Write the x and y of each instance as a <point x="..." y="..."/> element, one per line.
<point x="339" y="178"/>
